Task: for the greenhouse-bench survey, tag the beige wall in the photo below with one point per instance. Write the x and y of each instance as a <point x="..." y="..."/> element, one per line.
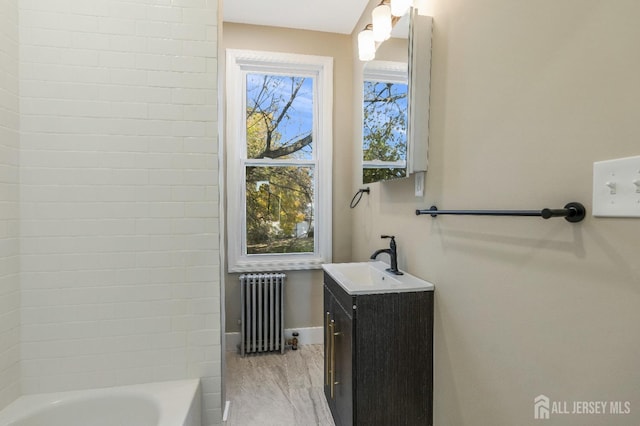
<point x="525" y="97"/>
<point x="304" y="288"/>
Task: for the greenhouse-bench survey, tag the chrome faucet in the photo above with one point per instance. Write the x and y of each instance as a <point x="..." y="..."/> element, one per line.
<point x="392" y="251"/>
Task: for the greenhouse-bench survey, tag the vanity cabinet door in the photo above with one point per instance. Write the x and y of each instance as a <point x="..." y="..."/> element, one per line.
<point x="338" y="362"/>
<point x="327" y="343"/>
<point x="343" y="367"/>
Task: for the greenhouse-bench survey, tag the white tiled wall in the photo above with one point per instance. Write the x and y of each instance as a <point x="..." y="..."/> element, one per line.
<point x="119" y="202"/>
<point x="9" y="205"/>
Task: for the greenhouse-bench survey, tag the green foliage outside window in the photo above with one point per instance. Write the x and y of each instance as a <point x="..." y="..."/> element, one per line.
<point x="279" y="194"/>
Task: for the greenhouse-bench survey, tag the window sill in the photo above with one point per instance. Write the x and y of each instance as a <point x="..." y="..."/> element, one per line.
<point x="277" y="265"/>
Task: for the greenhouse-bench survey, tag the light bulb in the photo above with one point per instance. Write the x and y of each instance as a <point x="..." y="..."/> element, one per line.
<point x="400" y="7"/>
<point x="366" y="45"/>
<point x="381" y="17"/>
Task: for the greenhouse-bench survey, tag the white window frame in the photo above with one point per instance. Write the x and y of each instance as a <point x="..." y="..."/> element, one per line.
<point x="238" y="64"/>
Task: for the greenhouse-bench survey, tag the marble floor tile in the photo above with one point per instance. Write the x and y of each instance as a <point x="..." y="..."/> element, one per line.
<point x="310" y="407"/>
<point x="306" y="367"/>
<point x="277" y="390"/>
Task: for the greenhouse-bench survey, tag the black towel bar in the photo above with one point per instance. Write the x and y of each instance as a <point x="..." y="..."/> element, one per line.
<point x="572" y="212"/>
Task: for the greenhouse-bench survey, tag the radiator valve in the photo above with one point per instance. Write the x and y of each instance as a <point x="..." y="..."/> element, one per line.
<point x="293" y="341"/>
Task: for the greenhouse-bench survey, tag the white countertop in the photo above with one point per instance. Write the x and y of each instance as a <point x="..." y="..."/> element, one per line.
<point x="372" y="277"/>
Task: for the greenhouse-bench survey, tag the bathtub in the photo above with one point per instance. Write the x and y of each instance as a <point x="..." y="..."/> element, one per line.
<point x="155" y="404"/>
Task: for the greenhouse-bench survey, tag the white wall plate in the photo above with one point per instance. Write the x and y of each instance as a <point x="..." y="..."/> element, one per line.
<point x="616" y="187"/>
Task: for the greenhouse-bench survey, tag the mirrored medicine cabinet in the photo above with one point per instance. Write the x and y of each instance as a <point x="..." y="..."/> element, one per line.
<point x="395" y="102"/>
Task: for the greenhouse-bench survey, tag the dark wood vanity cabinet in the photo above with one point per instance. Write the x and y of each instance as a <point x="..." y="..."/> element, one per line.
<point x="378" y="366"/>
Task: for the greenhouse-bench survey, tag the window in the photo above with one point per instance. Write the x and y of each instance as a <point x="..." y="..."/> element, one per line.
<point x="279" y="144"/>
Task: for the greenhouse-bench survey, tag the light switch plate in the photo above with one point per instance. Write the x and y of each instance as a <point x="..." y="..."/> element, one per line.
<point x="616" y="187"/>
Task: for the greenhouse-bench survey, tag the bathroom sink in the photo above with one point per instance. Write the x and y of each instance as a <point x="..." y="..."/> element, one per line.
<point x="371" y="277"/>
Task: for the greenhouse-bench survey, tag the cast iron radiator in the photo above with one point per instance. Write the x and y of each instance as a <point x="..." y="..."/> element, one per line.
<point x="262" y="320"/>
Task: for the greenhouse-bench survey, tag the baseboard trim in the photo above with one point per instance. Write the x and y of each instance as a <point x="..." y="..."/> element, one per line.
<point x="306" y="336"/>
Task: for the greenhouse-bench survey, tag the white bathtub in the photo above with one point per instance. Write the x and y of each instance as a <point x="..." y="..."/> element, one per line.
<point x="154" y="404"/>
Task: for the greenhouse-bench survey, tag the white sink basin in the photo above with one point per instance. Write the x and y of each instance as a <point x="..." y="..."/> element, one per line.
<point x="371" y="277"/>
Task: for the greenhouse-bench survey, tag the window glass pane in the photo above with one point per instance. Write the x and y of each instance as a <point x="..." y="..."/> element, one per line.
<point x="384" y="129"/>
<point x="280" y="213"/>
<point x="279" y="116"/>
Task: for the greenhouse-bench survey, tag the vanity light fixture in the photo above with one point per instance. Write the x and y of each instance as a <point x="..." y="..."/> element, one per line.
<point x="381" y="17"/>
<point x="366" y="44"/>
<point x="384" y="17"/>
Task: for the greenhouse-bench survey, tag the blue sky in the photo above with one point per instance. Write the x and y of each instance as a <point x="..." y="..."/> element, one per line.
<point x="299" y="122"/>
